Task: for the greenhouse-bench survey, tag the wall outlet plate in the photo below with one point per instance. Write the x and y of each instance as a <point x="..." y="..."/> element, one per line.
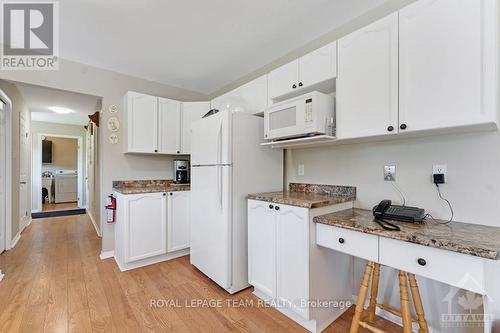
<point x="300" y="171"/>
<point x="440" y="169"/>
<point x="390" y="173"/>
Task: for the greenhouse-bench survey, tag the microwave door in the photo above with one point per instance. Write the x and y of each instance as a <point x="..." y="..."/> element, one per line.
<point x="284" y="122"/>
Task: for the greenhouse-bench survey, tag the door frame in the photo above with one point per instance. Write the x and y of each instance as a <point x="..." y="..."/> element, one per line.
<point x="37" y="170"/>
<point x="6" y="167"/>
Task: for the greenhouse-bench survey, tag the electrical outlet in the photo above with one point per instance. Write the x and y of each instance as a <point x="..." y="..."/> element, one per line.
<point x="301" y="170"/>
<point x="439" y="169"/>
<point x="390" y="173"/>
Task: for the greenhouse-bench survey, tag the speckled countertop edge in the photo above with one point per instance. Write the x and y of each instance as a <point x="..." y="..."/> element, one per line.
<point x="148" y="186"/>
<point x="466" y="238"/>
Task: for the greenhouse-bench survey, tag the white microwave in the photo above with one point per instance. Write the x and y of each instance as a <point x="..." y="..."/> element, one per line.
<point x="305" y="115"/>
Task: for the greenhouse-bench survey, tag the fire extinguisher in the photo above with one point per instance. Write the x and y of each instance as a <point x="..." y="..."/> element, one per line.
<point x="111" y="208"/>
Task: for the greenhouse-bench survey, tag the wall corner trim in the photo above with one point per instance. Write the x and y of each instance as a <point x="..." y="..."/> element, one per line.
<point x="96" y="227"/>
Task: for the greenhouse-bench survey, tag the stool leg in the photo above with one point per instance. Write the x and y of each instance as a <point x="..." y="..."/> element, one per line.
<point x="363" y="290"/>
<point x="374" y="292"/>
<point x="419" y="309"/>
<point x="405" y="303"/>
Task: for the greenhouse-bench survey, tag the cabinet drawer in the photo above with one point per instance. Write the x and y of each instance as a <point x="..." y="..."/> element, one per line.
<point x="351" y="242"/>
<point x="452" y="268"/>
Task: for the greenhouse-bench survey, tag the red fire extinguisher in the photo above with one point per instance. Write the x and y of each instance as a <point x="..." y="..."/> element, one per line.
<point x="111" y="208"/>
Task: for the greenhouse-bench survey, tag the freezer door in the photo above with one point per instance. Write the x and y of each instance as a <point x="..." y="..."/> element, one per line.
<point x="210" y="222"/>
<point x="211" y="140"/>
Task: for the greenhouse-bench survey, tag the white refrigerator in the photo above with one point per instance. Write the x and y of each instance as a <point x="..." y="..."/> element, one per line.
<point x="227" y="163"/>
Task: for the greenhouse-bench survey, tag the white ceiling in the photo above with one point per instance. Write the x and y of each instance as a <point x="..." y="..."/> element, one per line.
<point x="200" y="45"/>
<point x="40" y="99"/>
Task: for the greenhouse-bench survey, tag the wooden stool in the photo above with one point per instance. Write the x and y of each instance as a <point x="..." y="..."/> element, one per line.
<point x="405" y="312"/>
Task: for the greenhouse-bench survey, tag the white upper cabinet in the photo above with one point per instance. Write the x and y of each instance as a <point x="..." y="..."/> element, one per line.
<point x="306" y="72"/>
<point x="169" y="128"/>
<point x="367" y="82"/>
<point x="448" y="64"/>
<point x="191" y="111"/>
<point x="319" y="65"/>
<point x="250" y="97"/>
<point x="284" y="79"/>
<point x="142" y="123"/>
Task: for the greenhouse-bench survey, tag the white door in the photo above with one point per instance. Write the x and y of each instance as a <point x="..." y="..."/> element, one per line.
<point x="211" y="140"/>
<point x="210" y="222"/>
<point x="284" y="79"/>
<point x="178" y="220"/>
<point x="318" y="66"/>
<point x="367" y="81"/>
<point x="262" y="246"/>
<point x="293" y="257"/>
<point x="146" y="226"/>
<point x="169" y="127"/>
<point x="142" y="123"/>
<point x="191" y="112"/>
<point x="448" y="63"/>
<point x="24" y="163"/>
<point x="3" y="185"/>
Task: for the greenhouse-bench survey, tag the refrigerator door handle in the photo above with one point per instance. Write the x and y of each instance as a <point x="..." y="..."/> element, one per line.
<point x="219" y="185"/>
<point x="219" y="142"/>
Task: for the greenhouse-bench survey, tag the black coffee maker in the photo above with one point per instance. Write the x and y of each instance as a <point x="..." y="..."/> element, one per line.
<point x="181" y="171"/>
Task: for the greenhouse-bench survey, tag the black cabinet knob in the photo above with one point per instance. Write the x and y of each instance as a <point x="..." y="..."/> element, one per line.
<point x="156" y="150"/>
<point x="403" y="126"/>
<point x="421" y="261"/>
<point x="341" y="240"/>
<point x="277" y="207"/>
<point x="271" y="206"/>
<point x="294" y="86"/>
<point x="164" y="194"/>
<point x="390" y="128"/>
<point x="171" y="193"/>
<point x="178" y="152"/>
<point x="300" y="84"/>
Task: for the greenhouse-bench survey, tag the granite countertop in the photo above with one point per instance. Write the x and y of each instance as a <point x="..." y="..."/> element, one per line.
<point x="472" y="239"/>
<point x="148" y="186"/>
<point x="308" y="195"/>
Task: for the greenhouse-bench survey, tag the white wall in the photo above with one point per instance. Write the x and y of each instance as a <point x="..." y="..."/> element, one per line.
<point x="473" y="186"/>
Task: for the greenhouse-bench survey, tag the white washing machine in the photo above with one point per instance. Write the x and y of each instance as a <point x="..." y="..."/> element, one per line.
<point x="66" y="186"/>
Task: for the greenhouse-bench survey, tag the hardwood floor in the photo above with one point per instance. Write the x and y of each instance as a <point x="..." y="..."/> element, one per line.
<point x="60" y="206"/>
<point x="55" y="282"/>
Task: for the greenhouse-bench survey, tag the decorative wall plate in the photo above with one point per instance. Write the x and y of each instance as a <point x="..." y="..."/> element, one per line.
<point x="113" y="124"/>
<point x="113" y="108"/>
<point x="113" y="138"/>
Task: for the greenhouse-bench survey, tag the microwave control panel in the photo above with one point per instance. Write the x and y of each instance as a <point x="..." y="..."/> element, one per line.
<point x="308" y="112"/>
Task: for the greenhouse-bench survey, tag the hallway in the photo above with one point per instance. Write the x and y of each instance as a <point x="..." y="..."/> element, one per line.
<point x="55" y="282"/>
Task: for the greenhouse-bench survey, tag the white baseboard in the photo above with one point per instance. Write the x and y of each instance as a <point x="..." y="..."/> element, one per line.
<point x="15" y="240"/>
<point x="29" y="222"/>
<point x="94" y="224"/>
<point x="106" y="254"/>
<point x="150" y="261"/>
<point x="36" y="210"/>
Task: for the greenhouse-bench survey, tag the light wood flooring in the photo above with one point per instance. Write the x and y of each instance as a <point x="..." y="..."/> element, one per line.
<point x="60" y="206"/>
<point x="55" y="282"/>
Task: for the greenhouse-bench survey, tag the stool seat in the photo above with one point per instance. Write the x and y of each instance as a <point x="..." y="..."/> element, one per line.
<point x="372" y="270"/>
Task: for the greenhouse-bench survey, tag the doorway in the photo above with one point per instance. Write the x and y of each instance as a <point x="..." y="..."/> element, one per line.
<point x="5" y="172"/>
<point x="58" y="172"/>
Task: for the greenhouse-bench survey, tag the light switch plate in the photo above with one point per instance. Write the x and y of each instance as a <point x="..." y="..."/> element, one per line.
<point x="301" y="170"/>
<point x="390" y="173"/>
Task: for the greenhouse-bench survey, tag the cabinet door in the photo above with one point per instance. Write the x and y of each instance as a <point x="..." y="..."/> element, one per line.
<point x="254" y="95"/>
<point x="142" y="123"/>
<point x="282" y="79"/>
<point x="367" y="81"/>
<point x="262" y="247"/>
<point x="169" y="130"/>
<point x="146" y="226"/>
<point x="448" y="63"/>
<point x="178" y="220"/>
<point x="293" y="257"/>
<point x="318" y="66"/>
<point x="191" y="111"/>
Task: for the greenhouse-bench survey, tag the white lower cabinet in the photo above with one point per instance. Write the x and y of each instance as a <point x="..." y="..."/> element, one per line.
<point x="288" y="269"/>
<point x="151" y="227"/>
